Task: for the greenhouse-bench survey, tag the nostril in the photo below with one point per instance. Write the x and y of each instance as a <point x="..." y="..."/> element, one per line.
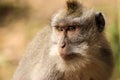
<point x="63" y="45"/>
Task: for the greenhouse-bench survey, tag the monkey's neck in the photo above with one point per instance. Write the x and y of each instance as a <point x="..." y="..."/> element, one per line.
<point x="54" y="74"/>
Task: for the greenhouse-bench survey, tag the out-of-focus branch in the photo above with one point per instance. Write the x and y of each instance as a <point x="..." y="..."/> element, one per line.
<point x="10" y="12"/>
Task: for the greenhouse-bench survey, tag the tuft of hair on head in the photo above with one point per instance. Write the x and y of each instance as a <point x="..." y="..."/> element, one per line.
<point x="72" y="6"/>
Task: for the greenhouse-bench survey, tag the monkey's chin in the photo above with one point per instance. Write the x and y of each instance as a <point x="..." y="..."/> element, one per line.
<point x="68" y="56"/>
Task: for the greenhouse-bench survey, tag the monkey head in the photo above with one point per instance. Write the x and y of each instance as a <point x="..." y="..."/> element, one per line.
<point x="75" y="29"/>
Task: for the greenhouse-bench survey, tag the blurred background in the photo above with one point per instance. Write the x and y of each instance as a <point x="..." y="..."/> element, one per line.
<point x="20" y="20"/>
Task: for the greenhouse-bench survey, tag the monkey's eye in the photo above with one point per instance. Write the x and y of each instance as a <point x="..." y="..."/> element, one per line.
<point x="59" y="28"/>
<point x="71" y="28"/>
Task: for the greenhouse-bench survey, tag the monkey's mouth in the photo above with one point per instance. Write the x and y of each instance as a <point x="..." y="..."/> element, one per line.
<point x="68" y="56"/>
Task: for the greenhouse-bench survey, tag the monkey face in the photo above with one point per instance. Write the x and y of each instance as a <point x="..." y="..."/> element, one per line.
<point x="67" y="35"/>
<point x="69" y="38"/>
<point x="74" y="34"/>
<point x="75" y="29"/>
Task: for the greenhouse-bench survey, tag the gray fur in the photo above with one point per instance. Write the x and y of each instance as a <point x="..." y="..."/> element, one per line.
<point x="93" y="58"/>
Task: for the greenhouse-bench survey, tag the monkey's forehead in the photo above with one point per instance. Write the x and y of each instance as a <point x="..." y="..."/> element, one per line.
<point x="60" y="17"/>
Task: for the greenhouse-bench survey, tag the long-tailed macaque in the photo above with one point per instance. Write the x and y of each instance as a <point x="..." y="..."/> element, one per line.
<point x="73" y="47"/>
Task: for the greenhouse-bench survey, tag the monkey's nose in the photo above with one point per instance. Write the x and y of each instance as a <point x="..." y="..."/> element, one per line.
<point x="63" y="44"/>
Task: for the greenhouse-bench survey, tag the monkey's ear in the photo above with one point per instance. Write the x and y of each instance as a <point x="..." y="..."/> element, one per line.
<point x="100" y="21"/>
<point x="72" y="5"/>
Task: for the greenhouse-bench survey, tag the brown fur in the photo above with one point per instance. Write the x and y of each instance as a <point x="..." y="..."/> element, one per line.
<point x="92" y="58"/>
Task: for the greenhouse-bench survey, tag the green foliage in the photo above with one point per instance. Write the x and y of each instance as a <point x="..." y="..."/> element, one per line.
<point x="114" y="32"/>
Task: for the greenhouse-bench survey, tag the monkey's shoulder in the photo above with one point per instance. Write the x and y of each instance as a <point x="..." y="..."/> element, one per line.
<point x="32" y="54"/>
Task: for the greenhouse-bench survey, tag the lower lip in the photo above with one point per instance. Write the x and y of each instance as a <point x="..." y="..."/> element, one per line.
<point x="69" y="56"/>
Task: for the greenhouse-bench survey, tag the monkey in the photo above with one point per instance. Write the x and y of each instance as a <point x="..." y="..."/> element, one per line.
<point x="72" y="47"/>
